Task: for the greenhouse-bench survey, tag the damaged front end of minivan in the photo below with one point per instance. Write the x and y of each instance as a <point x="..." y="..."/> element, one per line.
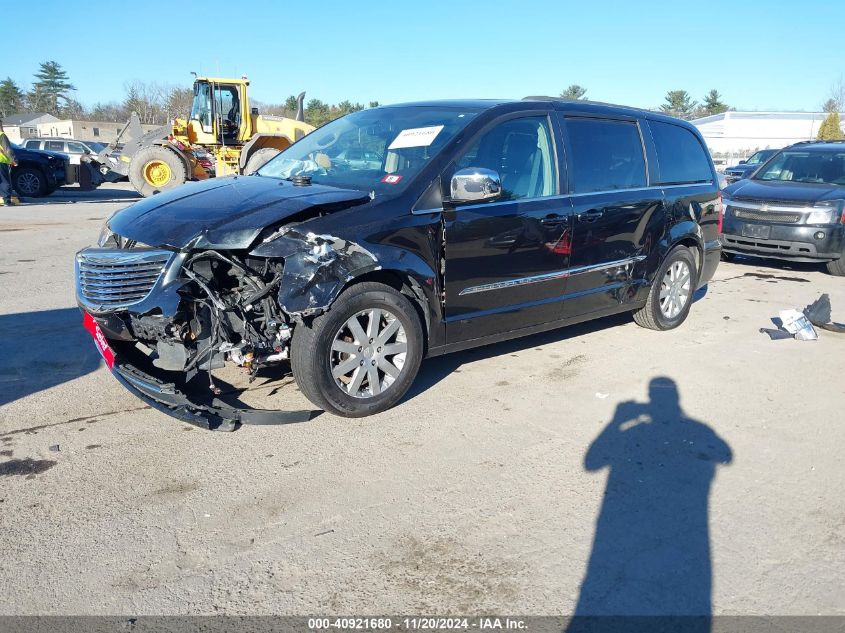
<point x="167" y="314"/>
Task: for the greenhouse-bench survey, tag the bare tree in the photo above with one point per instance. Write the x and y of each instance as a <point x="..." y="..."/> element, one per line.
<point x="177" y="105"/>
<point x="148" y="100"/>
<point x="112" y="111"/>
<point x="836" y="97"/>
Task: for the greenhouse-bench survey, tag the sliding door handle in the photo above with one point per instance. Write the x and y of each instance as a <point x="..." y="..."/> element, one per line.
<point x="590" y="216"/>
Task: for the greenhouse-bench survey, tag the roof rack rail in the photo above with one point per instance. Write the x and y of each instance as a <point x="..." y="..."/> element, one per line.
<point x="816" y="142"/>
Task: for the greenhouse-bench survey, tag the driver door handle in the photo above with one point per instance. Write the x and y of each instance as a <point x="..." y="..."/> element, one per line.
<point x="590" y="216"/>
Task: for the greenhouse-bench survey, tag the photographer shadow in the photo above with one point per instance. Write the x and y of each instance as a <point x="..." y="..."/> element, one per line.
<point x="650" y="567"/>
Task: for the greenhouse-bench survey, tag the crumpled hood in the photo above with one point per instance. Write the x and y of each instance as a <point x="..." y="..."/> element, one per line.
<point x="783" y="190"/>
<point x="226" y="213"/>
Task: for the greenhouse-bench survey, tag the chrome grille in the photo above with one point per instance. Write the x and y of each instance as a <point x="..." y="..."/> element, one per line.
<point x="111" y="278"/>
<point x="773" y="202"/>
<point x="766" y="216"/>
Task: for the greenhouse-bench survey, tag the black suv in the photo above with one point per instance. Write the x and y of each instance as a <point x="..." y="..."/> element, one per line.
<point x="481" y="221"/>
<point x="793" y="207"/>
<point x="38" y="173"/>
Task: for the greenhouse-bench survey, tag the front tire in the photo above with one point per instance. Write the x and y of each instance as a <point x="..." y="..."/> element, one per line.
<point x="155" y="169"/>
<point x="30" y="183"/>
<point x="837" y="266"/>
<point x="360" y="357"/>
<point x="670" y="297"/>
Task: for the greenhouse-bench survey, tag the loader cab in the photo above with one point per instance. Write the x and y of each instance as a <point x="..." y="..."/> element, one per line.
<point x="220" y="112"/>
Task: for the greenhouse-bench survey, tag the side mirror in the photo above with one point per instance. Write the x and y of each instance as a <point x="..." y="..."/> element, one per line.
<point x="475" y="184"/>
<point x="742" y="162"/>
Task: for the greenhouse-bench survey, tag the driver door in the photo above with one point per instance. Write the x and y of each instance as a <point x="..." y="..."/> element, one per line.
<point x="507" y="259"/>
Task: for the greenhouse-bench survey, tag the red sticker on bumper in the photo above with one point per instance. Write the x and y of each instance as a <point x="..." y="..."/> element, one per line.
<point x="99" y="339"/>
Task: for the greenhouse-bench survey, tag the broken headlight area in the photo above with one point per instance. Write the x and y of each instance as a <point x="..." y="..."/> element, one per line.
<point x="227" y="311"/>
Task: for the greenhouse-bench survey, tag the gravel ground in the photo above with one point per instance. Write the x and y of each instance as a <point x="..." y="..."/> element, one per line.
<point x="537" y="476"/>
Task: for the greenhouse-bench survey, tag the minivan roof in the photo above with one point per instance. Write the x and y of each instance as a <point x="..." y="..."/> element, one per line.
<point x="580" y="105"/>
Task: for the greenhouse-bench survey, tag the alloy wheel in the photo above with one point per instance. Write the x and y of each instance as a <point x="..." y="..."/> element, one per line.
<point x="675" y="289"/>
<point x="28" y="184"/>
<point x="368" y="353"/>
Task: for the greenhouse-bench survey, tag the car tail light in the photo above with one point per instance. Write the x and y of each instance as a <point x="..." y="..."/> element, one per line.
<point x="720" y="213"/>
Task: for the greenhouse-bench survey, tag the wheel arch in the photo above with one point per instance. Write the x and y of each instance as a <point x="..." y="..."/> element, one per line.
<point x="687" y="234"/>
<point x="407" y="284"/>
<point x="318" y="268"/>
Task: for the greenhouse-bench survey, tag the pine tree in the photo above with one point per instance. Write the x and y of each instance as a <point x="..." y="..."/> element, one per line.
<point x="51" y="84"/>
<point x="713" y="103"/>
<point x="678" y="104"/>
<point x="290" y="104"/>
<point x="317" y="112"/>
<point x="830" y="130"/>
<point x="574" y="93"/>
<point x="132" y="101"/>
<point x="11" y="98"/>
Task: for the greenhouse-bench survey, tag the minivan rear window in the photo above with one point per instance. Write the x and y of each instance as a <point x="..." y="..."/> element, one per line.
<point x="680" y="155"/>
<point x="605" y="155"/>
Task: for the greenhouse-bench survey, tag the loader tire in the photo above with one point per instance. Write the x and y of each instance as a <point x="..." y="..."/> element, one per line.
<point x="260" y="158"/>
<point x="155" y="169"/>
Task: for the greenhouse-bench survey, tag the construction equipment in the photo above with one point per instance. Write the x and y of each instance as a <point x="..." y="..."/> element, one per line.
<point x="221" y="122"/>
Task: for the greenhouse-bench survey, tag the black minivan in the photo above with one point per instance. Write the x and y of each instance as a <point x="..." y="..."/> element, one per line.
<point x="472" y="222"/>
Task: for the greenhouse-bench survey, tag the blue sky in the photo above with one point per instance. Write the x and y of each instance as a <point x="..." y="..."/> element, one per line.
<point x="624" y="52"/>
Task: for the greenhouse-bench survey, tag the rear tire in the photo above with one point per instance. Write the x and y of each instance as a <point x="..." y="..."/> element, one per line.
<point x="29" y="183"/>
<point x="155" y="169"/>
<point x="669" y="299"/>
<point x="260" y="158"/>
<point x="326" y="357"/>
<point x="837" y="266"/>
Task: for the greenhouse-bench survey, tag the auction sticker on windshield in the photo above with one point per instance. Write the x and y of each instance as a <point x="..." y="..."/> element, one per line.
<point x="416" y="137"/>
<point x="99" y="339"/>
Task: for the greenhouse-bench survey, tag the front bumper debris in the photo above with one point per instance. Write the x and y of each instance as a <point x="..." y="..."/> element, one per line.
<point x="203" y="409"/>
<point x="216" y="415"/>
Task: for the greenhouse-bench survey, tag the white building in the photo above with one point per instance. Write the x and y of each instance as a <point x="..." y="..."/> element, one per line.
<point x="103" y="131"/>
<point x="739" y="134"/>
<point x="24" y="125"/>
<point x="20" y="127"/>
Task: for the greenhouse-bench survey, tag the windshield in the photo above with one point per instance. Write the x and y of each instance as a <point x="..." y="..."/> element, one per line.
<point x="758" y="158"/>
<point x="378" y="150"/>
<point x="812" y="167"/>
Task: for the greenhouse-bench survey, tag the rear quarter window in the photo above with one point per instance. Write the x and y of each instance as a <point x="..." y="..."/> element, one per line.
<point x="33" y="144"/>
<point x="680" y="156"/>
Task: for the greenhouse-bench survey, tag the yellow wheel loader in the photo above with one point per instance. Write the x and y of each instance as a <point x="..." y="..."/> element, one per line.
<point x="221" y="123"/>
